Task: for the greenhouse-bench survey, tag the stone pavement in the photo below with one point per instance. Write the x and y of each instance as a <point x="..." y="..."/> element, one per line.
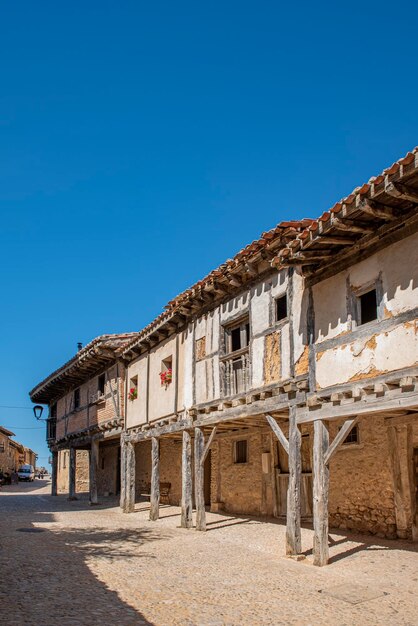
<point x="82" y="565"/>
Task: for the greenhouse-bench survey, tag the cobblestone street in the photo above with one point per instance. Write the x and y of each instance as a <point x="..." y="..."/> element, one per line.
<point x="71" y="564"/>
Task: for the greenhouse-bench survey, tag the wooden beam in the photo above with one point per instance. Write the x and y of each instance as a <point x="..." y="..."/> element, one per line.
<point x="122" y="473"/>
<point x="339" y="438"/>
<point x="339" y="241"/>
<point x="54" y="469"/>
<point x="154" y="512"/>
<point x="71" y="474"/>
<point x="352" y="227"/>
<point x="401" y="458"/>
<point x="399" y="190"/>
<point x="129" y="504"/>
<point x="208" y="445"/>
<point x="320" y="494"/>
<point x="186" y="482"/>
<point x="377" y="210"/>
<point x="94" y="462"/>
<point x="199" y="443"/>
<point x="293" y="531"/>
<point x="278" y="432"/>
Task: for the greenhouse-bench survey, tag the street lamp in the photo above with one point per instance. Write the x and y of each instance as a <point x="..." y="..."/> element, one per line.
<point x="37" y="411"/>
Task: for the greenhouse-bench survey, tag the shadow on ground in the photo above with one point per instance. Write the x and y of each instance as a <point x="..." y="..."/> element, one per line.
<point x="45" y="576"/>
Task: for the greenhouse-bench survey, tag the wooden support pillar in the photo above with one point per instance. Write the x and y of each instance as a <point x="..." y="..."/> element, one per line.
<point x="54" y="470"/>
<point x="199" y="481"/>
<point x="186" y="482"/>
<point x="154" y="512"/>
<point x="401" y="457"/>
<point x="122" y="473"/>
<point x="320" y="493"/>
<point x="293" y="532"/>
<point x="71" y="474"/>
<point x="94" y="462"/>
<point x="129" y="488"/>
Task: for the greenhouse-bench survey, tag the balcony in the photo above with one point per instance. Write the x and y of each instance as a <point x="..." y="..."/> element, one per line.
<point x="97" y="397"/>
<point x="236" y="373"/>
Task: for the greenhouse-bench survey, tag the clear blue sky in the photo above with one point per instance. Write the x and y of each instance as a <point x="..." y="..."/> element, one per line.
<point x="143" y="143"/>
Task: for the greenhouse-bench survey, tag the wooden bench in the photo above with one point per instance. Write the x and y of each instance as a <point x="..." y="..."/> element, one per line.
<point x="164" y="492"/>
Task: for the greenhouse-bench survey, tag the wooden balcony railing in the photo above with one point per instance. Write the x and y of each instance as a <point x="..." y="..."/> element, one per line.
<point x="236" y="374"/>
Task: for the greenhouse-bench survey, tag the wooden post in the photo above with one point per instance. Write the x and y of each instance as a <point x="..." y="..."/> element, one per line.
<point x="129" y="499"/>
<point x="199" y="445"/>
<point x="122" y="473"/>
<point x="154" y="512"/>
<point x="54" y="490"/>
<point x="186" y="482"/>
<point x="401" y="457"/>
<point x="71" y="474"/>
<point x="320" y="493"/>
<point x="94" y="461"/>
<point x="293" y="532"/>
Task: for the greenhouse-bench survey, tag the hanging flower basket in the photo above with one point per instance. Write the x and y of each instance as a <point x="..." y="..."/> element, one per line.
<point x="133" y="394"/>
<point x="166" y="377"/>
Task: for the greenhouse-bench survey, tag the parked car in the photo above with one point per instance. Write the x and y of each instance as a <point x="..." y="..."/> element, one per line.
<point x="26" y="472"/>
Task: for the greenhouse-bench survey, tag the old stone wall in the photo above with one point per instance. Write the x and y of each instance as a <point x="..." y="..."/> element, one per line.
<point x="361" y="495"/>
<point x="108" y="471"/>
<point x="82" y="471"/>
<point x="170" y="467"/>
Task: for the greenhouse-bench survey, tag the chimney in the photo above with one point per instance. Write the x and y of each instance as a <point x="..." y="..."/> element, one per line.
<point x="79" y="346"/>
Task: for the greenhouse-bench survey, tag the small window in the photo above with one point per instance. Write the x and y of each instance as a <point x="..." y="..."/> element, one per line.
<point x="166" y="373"/>
<point x="368" y="307"/>
<point x="281" y="308"/>
<point x="101" y="381"/>
<point x="352" y="437"/>
<point x="237" y="337"/>
<point x="241" y="451"/>
<point x="76" y="398"/>
<point x="133" y="388"/>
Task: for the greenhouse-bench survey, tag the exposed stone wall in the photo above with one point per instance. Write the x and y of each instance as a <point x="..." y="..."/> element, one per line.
<point x="361" y="485"/>
<point x="361" y="495"/>
<point x="107" y="471"/>
<point x="81" y="475"/>
<point x="170" y="467"/>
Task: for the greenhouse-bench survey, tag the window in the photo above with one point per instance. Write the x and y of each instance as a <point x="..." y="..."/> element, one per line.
<point x="133" y="388"/>
<point x="281" y="308"/>
<point x="241" y="451"/>
<point x="236" y="362"/>
<point x="101" y="381"/>
<point x="76" y="398"/>
<point x="352" y="437"/>
<point x="367" y="307"/>
<point x="166" y="373"/>
<point x="237" y="337"/>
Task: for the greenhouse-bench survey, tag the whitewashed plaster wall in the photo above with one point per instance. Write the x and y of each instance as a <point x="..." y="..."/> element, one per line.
<point x="377" y="347"/>
<point x="136" y="410"/>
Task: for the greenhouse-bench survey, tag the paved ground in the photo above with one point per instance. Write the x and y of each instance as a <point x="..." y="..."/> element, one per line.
<point x="96" y="566"/>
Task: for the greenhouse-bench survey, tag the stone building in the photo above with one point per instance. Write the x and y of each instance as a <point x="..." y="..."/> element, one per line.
<point x="86" y="399"/>
<point x="293" y="370"/>
<point x="8" y="451"/>
<point x="282" y="384"/>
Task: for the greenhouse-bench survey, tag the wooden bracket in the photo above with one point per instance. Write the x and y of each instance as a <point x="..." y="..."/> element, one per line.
<point x="278" y="432"/>
<point x="208" y="445"/>
<point x="340" y="437"/>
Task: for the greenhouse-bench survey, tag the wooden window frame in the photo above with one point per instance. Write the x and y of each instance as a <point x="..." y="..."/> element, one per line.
<point x="235" y="451"/>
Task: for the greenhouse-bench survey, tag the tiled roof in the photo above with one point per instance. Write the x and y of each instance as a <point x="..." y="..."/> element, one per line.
<point x="95" y="355"/>
<point x="6" y="432"/>
<point x="278" y="246"/>
<point x="387" y="188"/>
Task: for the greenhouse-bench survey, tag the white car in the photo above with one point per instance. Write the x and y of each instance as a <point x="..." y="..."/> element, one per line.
<point x="26" y="472"/>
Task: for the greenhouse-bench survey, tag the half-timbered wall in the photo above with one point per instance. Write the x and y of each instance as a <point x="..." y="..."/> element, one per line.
<point x="347" y="351"/>
<point x="91" y="411"/>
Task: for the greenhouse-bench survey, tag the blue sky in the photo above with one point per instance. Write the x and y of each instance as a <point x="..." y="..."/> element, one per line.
<point x="142" y="144"/>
